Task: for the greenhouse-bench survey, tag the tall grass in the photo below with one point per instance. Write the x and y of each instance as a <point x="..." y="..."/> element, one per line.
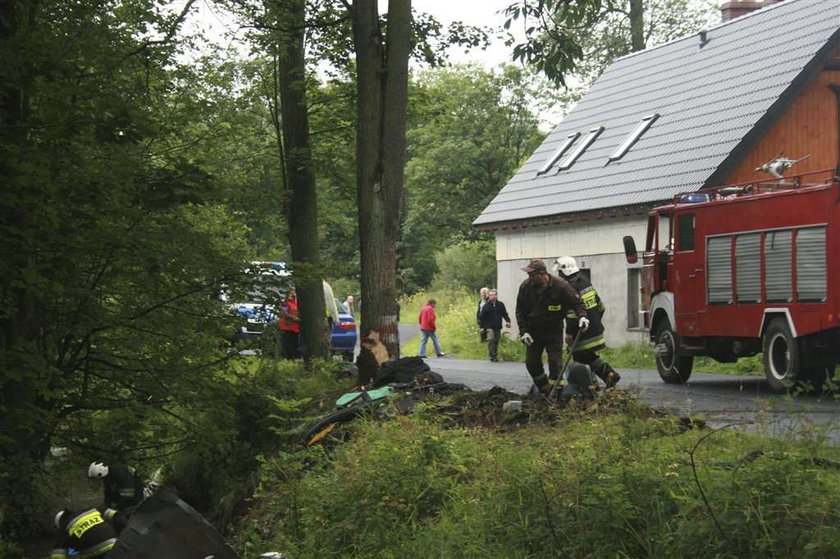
<point x="596" y="485"/>
<point x="457" y="329"/>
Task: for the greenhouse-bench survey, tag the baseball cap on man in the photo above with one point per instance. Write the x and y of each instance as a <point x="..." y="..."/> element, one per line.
<point x="535" y="265"/>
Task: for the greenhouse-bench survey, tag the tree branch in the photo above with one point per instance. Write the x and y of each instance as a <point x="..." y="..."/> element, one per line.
<point x="169" y="34"/>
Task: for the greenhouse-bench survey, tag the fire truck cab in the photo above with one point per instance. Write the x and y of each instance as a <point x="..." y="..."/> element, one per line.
<point x="736" y="270"/>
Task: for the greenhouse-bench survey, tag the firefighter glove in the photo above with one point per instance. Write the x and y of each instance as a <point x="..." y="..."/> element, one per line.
<point x="583" y="324"/>
<point x="526" y="339"/>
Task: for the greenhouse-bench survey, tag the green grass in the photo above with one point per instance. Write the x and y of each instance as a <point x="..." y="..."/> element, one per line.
<point x="458" y="335"/>
<point x="603" y="482"/>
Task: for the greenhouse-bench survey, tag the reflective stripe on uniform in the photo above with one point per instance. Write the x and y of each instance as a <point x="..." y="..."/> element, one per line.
<point x="98" y="549"/>
<point x="58" y="553"/>
<point x="590" y="300"/>
<point x="590" y="297"/>
<point x="109" y="514"/>
<point x="589" y="343"/>
<point x="554" y="308"/>
<point x="84" y="522"/>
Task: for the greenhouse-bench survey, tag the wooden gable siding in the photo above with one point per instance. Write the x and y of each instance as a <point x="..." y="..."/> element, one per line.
<point x="810" y="125"/>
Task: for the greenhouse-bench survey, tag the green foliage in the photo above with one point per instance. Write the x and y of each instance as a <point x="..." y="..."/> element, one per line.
<point x="602" y="485"/>
<point x="469" y="130"/>
<point x="116" y="231"/>
<point x="457" y="327"/>
<point x="468" y="264"/>
<point x="264" y="407"/>
<point x="581" y="39"/>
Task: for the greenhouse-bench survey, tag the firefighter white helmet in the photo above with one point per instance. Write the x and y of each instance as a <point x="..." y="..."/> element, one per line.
<point x="567" y="265"/>
<point x="97" y="470"/>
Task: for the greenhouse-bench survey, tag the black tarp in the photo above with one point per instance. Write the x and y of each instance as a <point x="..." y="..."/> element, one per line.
<point x="166" y="527"/>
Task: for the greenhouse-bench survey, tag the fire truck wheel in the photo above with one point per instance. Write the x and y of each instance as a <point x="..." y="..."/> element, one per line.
<point x="673" y="368"/>
<point x="782" y="361"/>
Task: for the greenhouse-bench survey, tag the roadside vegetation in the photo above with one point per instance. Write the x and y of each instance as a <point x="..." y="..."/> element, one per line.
<point x="460" y="478"/>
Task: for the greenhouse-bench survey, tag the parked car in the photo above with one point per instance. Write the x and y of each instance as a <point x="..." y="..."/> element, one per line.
<point x="254" y="306"/>
<point x="344" y="333"/>
<point x="264" y="286"/>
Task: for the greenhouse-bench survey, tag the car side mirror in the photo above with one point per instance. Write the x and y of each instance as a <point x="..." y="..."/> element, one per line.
<point x="630" y="250"/>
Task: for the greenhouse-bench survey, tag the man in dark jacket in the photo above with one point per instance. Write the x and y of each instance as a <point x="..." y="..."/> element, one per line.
<point x="541" y="307"/>
<point x="490" y="320"/>
<point x="591" y="341"/>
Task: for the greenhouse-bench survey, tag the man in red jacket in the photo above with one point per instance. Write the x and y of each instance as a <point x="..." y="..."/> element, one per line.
<point x="289" y="325"/>
<point x="427" y="328"/>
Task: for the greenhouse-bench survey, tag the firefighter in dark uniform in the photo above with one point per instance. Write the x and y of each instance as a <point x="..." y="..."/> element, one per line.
<point x="592" y="340"/>
<point x="541" y="307"/>
<point x="85" y="535"/>
<point x="124" y="491"/>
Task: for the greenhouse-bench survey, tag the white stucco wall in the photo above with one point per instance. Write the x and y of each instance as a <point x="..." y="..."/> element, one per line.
<point x="596" y="244"/>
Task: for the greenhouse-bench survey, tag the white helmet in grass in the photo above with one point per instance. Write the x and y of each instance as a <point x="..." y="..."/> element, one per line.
<point x="97" y="470"/>
<point x="567" y="265"/>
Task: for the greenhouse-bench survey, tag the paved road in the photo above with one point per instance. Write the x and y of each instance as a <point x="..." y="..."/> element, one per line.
<point x="720" y="399"/>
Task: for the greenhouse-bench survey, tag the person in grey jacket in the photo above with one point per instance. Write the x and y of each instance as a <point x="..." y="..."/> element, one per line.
<point x="485" y="296"/>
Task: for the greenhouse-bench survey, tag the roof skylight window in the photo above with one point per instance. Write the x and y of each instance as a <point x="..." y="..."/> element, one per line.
<point x="578" y="151"/>
<point x="558" y="153"/>
<point x="633" y="137"/>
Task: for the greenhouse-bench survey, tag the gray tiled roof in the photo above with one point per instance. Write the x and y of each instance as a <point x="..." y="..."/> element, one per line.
<point x="708" y="97"/>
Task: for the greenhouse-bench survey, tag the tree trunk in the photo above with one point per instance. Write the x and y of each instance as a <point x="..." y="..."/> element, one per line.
<point x="302" y="211"/>
<point x="24" y="424"/>
<point x="637" y="25"/>
<point x="380" y="157"/>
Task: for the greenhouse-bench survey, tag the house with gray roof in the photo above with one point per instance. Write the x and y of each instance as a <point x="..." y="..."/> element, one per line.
<point x="700" y="111"/>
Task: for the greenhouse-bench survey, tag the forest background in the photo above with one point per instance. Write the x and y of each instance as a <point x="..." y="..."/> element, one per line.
<point x="142" y="168"/>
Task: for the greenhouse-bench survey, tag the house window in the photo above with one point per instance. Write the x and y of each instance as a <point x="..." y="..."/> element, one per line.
<point x="578" y="151"/>
<point x="633" y="137"/>
<point x="567" y="143"/>
<point x="635" y="304"/>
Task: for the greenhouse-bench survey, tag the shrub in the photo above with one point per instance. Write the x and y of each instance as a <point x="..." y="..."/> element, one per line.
<point x="266" y="406"/>
<point x="468" y="264"/>
<point x="594" y="486"/>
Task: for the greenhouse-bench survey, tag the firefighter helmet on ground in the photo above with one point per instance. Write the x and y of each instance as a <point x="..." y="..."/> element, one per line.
<point x="567" y="265"/>
<point x="97" y="470"/>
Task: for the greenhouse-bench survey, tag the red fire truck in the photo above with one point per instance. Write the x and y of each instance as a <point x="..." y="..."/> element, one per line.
<point x="737" y="270"/>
